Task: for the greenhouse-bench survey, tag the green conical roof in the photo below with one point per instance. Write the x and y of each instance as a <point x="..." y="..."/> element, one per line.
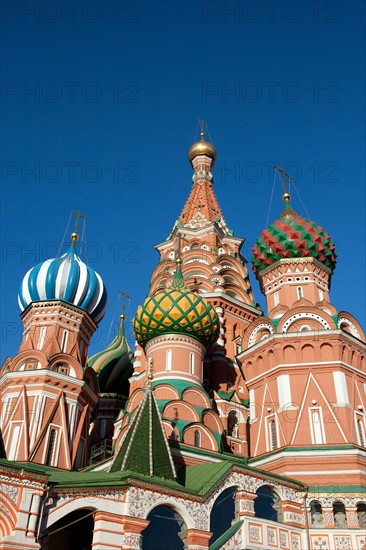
<point x="113" y="365"/>
<point x="145" y="449"/>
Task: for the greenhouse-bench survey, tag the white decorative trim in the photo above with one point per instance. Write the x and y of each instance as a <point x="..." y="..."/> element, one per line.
<point x="257" y="329"/>
<point x="349" y="324"/>
<point x="304" y="315"/>
<point x="314" y="453"/>
<point x="175" y="337"/>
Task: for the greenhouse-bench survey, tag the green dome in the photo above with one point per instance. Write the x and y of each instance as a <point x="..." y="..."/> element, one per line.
<point x="114" y="365"/>
<point x="292" y="236"/>
<point x="176" y="310"/>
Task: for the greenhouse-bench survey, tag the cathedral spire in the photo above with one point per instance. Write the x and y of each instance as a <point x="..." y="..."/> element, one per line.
<point x="201" y="207"/>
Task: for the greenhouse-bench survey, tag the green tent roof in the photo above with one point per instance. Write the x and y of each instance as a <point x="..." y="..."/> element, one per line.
<point x="145" y="449"/>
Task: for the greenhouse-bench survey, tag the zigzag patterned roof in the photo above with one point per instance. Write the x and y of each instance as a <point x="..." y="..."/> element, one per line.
<point x="292" y="236"/>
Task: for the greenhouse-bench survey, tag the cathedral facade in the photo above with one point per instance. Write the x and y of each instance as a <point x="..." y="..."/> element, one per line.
<point x="225" y="427"/>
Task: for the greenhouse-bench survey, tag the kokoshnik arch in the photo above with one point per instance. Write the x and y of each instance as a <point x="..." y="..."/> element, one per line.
<point x="225" y="428"/>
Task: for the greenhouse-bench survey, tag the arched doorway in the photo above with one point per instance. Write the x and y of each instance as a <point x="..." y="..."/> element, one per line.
<point x="267" y="505"/>
<point x="222" y="513"/>
<point x="72" y="532"/>
<point x="162" y="533"/>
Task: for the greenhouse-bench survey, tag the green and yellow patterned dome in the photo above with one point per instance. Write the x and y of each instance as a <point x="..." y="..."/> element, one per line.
<point x="176" y="310"/>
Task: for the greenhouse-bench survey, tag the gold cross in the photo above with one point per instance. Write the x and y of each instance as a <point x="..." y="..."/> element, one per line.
<point x="125" y="297"/>
<point x="78" y="216"/>
<point x="284" y="175"/>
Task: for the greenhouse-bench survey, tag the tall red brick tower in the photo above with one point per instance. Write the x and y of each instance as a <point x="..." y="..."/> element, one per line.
<point x="213" y="267"/>
<point x="47" y="393"/>
<point x="304" y="363"/>
<point x="188" y="373"/>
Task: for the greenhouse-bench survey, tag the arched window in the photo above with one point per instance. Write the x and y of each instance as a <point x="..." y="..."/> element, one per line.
<point x="267" y="505"/>
<point x="168" y="366"/>
<point x="194" y="246"/>
<point x="191" y="363"/>
<point x="361" y="515"/>
<point x="321" y="294"/>
<point x="361" y="430"/>
<point x="316" y="514"/>
<point x="163" y="530"/>
<point x="65" y="338"/>
<point x="223" y="513"/>
<point x="340" y="516"/>
<point x="232" y="424"/>
<point x="42" y="336"/>
<point x="299" y="292"/>
<point x="276" y="299"/>
<point x="197" y="438"/>
<point x="273" y="434"/>
<point x="51" y="448"/>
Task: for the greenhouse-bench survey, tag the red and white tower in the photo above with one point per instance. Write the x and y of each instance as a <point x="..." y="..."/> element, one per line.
<point x="48" y="394"/>
<point x="304" y="364"/>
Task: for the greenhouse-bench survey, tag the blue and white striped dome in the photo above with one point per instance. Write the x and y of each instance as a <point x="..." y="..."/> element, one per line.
<point x="66" y="278"/>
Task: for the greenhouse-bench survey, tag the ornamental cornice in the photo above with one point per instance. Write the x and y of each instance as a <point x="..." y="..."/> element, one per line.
<point x="225" y="298"/>
<point x="303" y="335"/>
<point x="12" y="475"/>
<point x="174" y="337"/>
<point x="62" y="493"/>
<point x="57" y="303"/>
<point x="287" y="261"/>
<point x="83" y="384"/>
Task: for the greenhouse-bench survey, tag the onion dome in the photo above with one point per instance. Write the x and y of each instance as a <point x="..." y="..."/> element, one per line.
<point x="202" y="147"/>
<point x="176" y="310"/>
<point x="66" y="278"/>
<point x="292" y="236"/>
<point x="114" y="365"/>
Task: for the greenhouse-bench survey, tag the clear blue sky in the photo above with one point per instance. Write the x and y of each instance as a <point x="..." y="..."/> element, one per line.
<point x="117" y="89"/>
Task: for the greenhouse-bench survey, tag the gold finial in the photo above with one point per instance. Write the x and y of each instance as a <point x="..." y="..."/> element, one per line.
<point x="150" y="375"/>
<point x="202" y="147"/>
<point x="286" y="197"/>
<point x="75" y="235"/>
<point x="202" y="133"/>
<point x="125" y="297"/>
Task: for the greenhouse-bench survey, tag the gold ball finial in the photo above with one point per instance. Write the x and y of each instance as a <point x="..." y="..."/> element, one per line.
<point x="202" y="147"/>
<point x="122" y="317"/>
<point x="74" y="236"/>
<point x="178" y="261"/>
<point x="286" y="197"/>
<point x="150" y="375"/>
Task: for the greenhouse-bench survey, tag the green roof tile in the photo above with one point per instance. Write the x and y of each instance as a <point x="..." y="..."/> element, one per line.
<point x="145" y="449"/>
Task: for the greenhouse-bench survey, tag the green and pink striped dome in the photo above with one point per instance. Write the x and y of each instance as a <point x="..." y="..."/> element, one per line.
<point x="292" y="236"/>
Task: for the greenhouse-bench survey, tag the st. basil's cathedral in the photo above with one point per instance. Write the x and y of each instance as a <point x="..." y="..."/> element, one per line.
<point x="226" y="428"/>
